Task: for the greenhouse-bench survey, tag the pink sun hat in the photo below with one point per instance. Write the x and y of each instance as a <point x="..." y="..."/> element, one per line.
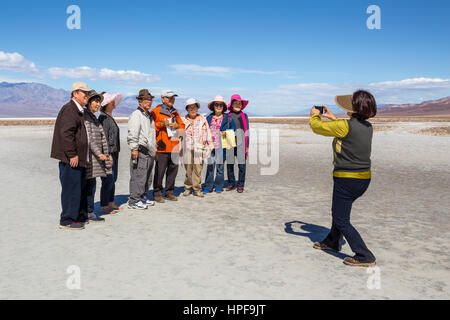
<point x="238" y="98"/>
<point x="216" y="99"/>
<point x="108" y="98"/>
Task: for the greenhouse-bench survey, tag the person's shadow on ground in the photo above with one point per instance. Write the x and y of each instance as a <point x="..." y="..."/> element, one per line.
<point x="314" y="232"/>
<point x="122" y="199"/>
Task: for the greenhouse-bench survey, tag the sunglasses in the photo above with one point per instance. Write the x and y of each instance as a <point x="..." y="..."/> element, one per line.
<point x="219" y="105"/>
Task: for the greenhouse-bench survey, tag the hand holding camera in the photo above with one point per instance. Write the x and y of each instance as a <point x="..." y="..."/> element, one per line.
<point x="323" y="111"/>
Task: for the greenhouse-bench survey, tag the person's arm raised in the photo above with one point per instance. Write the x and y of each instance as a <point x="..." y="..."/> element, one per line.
<point x="337" y="128"/>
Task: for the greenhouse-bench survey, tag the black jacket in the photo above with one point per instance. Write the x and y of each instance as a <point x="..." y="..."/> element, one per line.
<point x="70" y="136"/>
<point x="112" y="132"/>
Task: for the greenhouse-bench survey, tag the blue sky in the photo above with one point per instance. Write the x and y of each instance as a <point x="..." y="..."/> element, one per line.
<point x="282" y="55"/>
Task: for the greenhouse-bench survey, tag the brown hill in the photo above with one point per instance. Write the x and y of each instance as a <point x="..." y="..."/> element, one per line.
<point x="439" y="107"/>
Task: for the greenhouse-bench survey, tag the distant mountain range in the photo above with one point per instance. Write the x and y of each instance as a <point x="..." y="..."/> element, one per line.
<point x="23" y="100"/>
<point x="427" y="108"/>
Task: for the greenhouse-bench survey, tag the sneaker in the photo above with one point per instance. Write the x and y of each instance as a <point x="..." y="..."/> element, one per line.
<point x="240" y="189"/>
<point x="138" y="206"/>
<point x="73" y="226"/>
<point x="94" y="218"/>
<point x="205" y="191"/>
<point x="171" y="197"/>
<point x="322" y="246"/>
<point x="159" y="199"/>
<point x="150" y="203"/>
<point x="199" y="194"/>
<point x="355" y="263"/>
<point x="187" y="193"/>
<point x="230" y="187"/>
<point x="219" y="190"/>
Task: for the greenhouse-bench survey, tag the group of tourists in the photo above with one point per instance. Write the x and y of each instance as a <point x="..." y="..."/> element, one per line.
<point x="88" y="148"/>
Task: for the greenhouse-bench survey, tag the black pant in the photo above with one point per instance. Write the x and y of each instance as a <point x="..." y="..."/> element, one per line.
<point x="73" y="199"/>
<point x="345" y="192"/>
<point x="242" y="165"/>
<point x="108" y="190"/>
<point x="166" y="164"/>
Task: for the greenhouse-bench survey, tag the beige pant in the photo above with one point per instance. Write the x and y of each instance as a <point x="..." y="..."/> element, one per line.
<point x="193" y="173"/>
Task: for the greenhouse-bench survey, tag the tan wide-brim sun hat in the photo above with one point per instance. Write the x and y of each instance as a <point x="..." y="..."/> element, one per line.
<point x="345" y="102"/>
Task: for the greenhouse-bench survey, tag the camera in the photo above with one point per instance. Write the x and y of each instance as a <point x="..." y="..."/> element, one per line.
<point x="320" y="108"/>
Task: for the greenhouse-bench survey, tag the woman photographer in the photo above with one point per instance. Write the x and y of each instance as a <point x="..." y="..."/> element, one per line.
<point x="352" y="169"/>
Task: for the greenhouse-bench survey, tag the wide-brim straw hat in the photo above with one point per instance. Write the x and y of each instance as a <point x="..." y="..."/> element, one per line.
<point x="109" y="97"/>
<point x="237" y="97"/>
<point x="217" y="99"/>
<point x="345" y="102"/>
<point x="192" y="101"/>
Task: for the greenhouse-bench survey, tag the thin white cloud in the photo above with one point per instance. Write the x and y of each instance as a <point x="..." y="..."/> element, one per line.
<point x="93" y="74"/>
<point x="17" y="63"/>
<point x="414" y="83"/>
<point x="309" y="86"/>
<point x="194" y="70"/>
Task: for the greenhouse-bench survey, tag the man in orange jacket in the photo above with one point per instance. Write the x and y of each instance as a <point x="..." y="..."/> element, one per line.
<point x="168" y="126"/>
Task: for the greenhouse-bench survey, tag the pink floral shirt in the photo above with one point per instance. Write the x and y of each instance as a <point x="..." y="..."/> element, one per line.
<point x="215" y="131"/>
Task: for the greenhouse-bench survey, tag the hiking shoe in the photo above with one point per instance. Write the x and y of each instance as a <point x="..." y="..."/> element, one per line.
<point x="159" y="199"/>
<point x="138" y="206"/>
<point x="95" y="218"/>
<point x="240" y="189"/>
<point x="322" y="246"/>
<point x="199" y="194"/>
<point x="150" y="203"/>
<point x="171" y="197"/>
<point x="230" y="187"/>
<point x="187" y="193"/>
<point x="355" y="263"/>
<point x="73" y="226"/>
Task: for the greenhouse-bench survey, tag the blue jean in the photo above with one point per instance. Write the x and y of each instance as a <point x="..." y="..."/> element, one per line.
<point x="215" y="162"/>
<point x="72" y="185"/>
<point x="345" y="192"/>
<point x="108" y="189"/>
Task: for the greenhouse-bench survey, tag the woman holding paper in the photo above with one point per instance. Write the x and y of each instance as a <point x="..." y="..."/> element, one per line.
<point x="222" y="130"/>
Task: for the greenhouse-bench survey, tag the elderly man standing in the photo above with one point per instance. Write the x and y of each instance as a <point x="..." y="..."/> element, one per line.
<point x="167" y="122"/>
<point x="141" y="140"/>
<point x="71" y="147"/>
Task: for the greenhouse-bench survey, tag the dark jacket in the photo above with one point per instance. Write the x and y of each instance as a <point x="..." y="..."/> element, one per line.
<point x="70" y="136"/>
<point x="112" y="132"/>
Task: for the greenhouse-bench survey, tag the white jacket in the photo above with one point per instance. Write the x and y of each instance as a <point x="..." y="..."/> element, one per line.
<point x="141" y="131"/>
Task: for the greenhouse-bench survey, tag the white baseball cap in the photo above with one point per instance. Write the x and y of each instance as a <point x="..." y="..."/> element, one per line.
<point x="168" y="94"/>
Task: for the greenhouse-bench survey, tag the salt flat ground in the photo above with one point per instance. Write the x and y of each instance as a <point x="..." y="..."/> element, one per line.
<point x="257" y="245"/>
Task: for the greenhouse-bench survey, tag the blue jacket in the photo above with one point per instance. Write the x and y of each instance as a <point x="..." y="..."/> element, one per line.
<point x="227" y="122"/>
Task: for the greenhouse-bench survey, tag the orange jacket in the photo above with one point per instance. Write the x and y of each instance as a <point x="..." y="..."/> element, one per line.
<point x="163" y="142"/>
